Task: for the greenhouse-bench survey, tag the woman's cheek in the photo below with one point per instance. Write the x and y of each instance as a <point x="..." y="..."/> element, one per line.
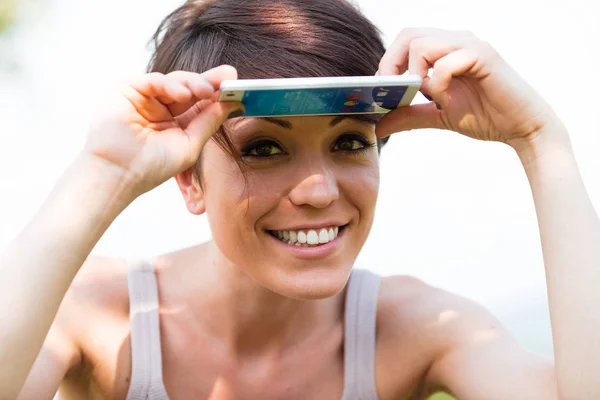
<point x="361" y="180"/>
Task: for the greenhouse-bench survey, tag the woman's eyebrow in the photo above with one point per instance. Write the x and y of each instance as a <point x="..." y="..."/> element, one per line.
<point x="278" y="122"/>
<point x="362" y="118"/>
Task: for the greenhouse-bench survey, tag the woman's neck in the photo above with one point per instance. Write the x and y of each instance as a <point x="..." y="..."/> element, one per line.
<point x="239" y="312"/>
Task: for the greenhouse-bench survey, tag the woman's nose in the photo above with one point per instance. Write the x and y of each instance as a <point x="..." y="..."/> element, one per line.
<point x="317" y="189"/>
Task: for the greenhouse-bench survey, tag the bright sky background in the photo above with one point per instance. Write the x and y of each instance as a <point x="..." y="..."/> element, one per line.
<point x="452" y="211"/>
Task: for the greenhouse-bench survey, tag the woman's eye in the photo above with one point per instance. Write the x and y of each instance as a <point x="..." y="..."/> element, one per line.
<point x="353" y="144"/>
<point x="350" y="145"/>
<point x="265" y="150"/>
<point x="262" y="149"/>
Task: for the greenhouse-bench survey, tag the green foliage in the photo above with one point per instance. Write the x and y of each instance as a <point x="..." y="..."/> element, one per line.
<point x="7" y="13"/>
<point x="441" y="396"/>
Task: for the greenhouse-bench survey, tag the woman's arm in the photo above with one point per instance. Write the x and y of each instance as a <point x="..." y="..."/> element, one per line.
<point x="570" y="234"/>
<point x="477" y="357"/>
<point x="40" y="264"/>
<point x="154" y="130"/>
<point x="480" y="96"/>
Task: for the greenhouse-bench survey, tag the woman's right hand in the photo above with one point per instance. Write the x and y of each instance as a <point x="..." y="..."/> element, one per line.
<point x="159" y="125"/>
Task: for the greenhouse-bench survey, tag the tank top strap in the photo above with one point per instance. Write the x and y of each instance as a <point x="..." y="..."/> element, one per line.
<point x="146" y="358"/>
<point x="359" y="336"/>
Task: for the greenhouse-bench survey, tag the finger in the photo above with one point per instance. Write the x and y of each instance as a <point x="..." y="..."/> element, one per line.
<point x="203" y="86"/>
<point x="395" y="59"/>
<point x="208" y="121"/>
<point x="150" y="108"/>
<point x="185" y="119"/>
<point x="461" y="62"/>
<point x="425" y="51"/>
<point x="419" y="116"/>
<point x="151" y="94"/>
<point x="217" y="75"/>
<point x="161" y="87"/>
<point x="188" y="116"/>
<point x="159" y="97"/>
<point x="197" y="84"/>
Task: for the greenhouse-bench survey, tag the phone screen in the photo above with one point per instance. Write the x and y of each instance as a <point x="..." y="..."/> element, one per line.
<point x="322" y="101"/>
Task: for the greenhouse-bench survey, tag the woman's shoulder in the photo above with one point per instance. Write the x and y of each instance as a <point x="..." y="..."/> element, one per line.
<point x="99" y="292"/>
<point x="406" y="309"/>
<point x="94" y="314"/>
<point x="408" y="302"/>
<point x="418" y="323"/>
<point x="409" y="299"/>
<point x="101" y="282"/>
<point x="430" y="318"/>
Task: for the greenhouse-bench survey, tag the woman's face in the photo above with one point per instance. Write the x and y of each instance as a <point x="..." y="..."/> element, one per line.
<point x="308" y="179"/>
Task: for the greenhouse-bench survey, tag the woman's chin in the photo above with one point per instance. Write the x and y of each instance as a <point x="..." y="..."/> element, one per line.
<point x="310" y="284"/>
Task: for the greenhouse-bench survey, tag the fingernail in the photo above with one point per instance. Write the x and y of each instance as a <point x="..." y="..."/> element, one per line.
<point x="235" y="114"/>
<point x="428" y="97"/>
<point x="437" y="105"/>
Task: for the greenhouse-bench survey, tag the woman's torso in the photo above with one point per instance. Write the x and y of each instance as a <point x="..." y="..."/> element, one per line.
<point x="196" y="366"/>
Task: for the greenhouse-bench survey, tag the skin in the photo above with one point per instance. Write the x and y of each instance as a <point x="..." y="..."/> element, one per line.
<point x="240" y="317"/>
<point x="307" y="180"/>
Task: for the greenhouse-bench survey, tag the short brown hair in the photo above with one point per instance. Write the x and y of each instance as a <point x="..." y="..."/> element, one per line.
<point x="267" y="39"/>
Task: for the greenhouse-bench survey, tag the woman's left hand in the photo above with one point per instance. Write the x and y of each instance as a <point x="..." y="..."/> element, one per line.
<point x="477" y="93"/>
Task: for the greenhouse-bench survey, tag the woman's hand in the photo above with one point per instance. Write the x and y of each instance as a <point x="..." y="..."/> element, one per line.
<point x="159" y="125"/>
<point x="477" y="93"/>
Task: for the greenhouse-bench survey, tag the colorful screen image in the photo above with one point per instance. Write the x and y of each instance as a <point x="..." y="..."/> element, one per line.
<point x="380" y="99"/>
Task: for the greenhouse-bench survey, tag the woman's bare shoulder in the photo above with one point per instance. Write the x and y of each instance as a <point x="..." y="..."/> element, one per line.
<point x="405" y="346"/>
<point x="101" y="282"/>
<point x="98" y="291"/>
<point x="409" y="303"/>
<point x="419" y="322"/>
<point x="406" y="307"/>
<point x="94" y="307"/>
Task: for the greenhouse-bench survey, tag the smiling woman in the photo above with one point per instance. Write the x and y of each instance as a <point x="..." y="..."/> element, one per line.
<point x="303" y="177"/>
<point x="272" y="307"/>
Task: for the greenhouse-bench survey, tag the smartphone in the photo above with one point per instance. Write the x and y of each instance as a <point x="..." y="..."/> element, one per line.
<point x="321" y="96"/>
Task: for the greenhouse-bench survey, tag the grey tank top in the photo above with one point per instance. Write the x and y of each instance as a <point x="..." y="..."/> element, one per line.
<point x="146" y="359"/>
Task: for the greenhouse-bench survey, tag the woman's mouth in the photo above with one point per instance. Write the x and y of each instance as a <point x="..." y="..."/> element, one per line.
<point x="308" y="237"/>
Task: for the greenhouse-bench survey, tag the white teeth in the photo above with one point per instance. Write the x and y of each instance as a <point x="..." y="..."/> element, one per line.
<point x="301" y="237"/>
<point x="323" y="236"/>
<point x="305" y="238"/>
<point x="312" y="237"/>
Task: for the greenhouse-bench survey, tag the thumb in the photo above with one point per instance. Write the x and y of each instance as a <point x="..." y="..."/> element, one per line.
<point x="419" y="116"/>
<point x="209" y="120"/>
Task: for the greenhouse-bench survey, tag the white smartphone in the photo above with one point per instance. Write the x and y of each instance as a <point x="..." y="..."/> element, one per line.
<point x="321" y="96"/>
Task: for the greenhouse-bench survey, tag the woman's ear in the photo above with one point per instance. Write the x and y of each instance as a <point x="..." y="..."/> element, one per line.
<point x="193" y="194"/>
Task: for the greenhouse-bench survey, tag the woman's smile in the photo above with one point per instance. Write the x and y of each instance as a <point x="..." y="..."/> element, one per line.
<point x="309" y="243"/>
<point x="307" y="237"/>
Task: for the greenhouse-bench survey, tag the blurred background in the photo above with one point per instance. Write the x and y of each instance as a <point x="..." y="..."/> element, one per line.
<point x="452" y="211"/>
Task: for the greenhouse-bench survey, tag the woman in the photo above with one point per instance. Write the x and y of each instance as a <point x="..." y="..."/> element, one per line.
<point x="269" y="309"/>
